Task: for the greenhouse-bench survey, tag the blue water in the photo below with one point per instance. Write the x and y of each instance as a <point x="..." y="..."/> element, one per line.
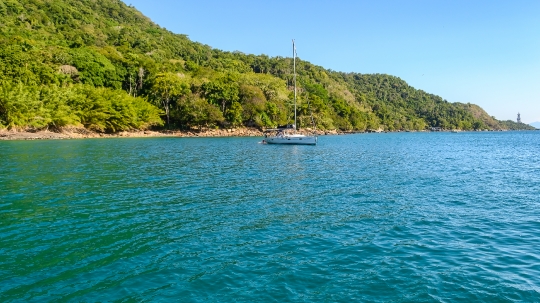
<point x="401" y="217"/>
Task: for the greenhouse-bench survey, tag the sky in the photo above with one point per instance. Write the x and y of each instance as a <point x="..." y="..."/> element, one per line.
<point x="469" y="51"/>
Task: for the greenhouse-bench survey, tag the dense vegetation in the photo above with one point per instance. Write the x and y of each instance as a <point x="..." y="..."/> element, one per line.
<point x="105" y="66"/>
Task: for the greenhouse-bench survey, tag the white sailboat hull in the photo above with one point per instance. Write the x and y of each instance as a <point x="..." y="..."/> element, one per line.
<point x="293" y="139"/>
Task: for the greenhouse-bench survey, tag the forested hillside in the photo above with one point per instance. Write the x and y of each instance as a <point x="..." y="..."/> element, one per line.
<point x="104" y="66"/>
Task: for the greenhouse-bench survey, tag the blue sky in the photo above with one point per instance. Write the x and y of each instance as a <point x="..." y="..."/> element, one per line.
<point x="482" y="52"/>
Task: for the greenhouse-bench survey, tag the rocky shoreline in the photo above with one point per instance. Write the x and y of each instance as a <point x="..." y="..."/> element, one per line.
<point x="81" y="133"/>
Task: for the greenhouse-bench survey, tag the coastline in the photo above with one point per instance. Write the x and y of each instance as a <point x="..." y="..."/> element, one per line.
<point x="81" y="133"/>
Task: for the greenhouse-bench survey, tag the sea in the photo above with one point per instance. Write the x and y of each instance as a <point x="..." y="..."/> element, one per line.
<point x="390" y="217"/>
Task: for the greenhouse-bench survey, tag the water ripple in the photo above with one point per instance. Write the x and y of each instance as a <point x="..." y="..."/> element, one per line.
<point x="374" y="217"/>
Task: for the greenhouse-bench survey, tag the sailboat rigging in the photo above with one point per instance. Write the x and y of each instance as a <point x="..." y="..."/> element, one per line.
<point x="288" y="134"/>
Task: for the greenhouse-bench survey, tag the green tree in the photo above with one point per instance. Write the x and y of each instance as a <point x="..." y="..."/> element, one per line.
<point x="253" y="102"/>
<point x="234" y="114"/>
<point x="192" y="110"/>
<point x="223" y="91"/>
<point x="167" y="88"/>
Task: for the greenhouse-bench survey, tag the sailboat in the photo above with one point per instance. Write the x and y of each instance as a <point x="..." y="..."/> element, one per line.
<point x="288" y="134"/>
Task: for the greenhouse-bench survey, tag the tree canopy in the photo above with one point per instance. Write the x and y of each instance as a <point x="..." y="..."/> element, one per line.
<point x="105" y="66"/>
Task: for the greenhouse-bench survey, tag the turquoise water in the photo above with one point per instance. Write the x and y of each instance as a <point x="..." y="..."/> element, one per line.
<point x="423" y="217"/>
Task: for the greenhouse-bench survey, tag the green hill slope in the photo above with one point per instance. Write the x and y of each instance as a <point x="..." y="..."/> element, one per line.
<point x="512" y="125"/>
<point x="105" y="66"/>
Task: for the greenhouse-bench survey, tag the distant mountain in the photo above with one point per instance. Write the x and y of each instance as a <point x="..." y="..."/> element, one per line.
<point x="535" y="124"/>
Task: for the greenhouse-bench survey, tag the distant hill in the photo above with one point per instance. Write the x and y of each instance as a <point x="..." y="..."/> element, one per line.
<point x="535" y="124"/>
<point x="104" y="66"/>
<point x="512" y="125"/>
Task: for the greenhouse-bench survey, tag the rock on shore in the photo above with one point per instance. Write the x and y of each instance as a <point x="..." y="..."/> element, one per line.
<point x="82" y="133"/>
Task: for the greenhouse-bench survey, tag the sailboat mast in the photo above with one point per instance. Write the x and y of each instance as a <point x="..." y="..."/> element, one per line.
<point x="294" y="70"/>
